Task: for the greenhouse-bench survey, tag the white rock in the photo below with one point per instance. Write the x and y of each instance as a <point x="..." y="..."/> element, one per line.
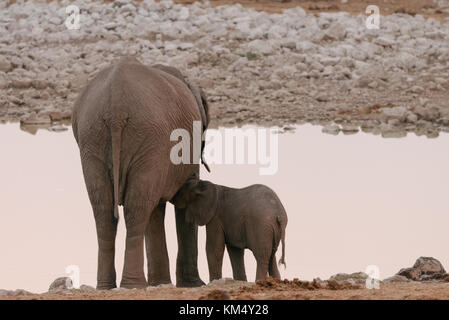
<point x="384" y="41"/>
<point x="5" y="65"/>
<point x="336" y="31"/>
<point x="399" y="113"/>
<point x="331" y="129"/>
<point x="261" y="46"/>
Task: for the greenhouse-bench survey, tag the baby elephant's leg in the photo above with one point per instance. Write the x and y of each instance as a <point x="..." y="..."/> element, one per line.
<point x="236" y="255"/>
<point x="215" y="245"/>
<point x="262" y="268"/>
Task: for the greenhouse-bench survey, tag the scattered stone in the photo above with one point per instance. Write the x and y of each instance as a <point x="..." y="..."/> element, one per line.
<point x="34" y="119"/>
<point x="62" y="283"/>
<point x="322" y="97"/>
<point x="357" y="277"/>
<point x="416" y="89"/>
<point x="412" y="118"/>
<point x="5" y="65"/>
<point x="39" y="84"/>
<point x="399" y="113"/>
<point x="59" y="116"/>
<point x="341" y="285"/>
<point x="396" y="279"/>
<point x="424" y="269"/>
<point x="57" y="128"/>
<point x="20" y="83"/>
<point x="261" y="46"/>
<point x="348" y="129"/>
<point x="428" y="114"/>
<point x="331" y="129"/>
<point x="14" y="293"/>
<point x="245" y="57"/>
<point x="224" y="282"/>
<point x="161" y="286"/>
<point x="429" y="265"/>
<point x="86" y="288"/>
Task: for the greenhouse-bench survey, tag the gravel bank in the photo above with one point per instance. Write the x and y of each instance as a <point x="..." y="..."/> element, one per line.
<point x="270" y="69"/>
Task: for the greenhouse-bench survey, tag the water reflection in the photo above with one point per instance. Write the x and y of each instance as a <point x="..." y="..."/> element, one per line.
<point x="352" y="200"/>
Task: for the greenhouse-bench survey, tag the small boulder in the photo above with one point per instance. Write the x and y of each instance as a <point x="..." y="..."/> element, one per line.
<point x="409" y="273"/>
<point x="5" y="65"/>
<point x="261" y="46"/>
<point x="86" y="288"/>
<point x="396" y="279"/>
<point x="57" y="128"/>
<point x="39" y="84"/>
<point x="60" y="284"/>
<point x="429" y="265"/>
<point x="331" y="129"/>
<point x="224" y="282"/>
<point x="21" y="83"/>
<point x="347" y="129"/>
<point x="59" y="116"/>
<point x="399" y="113"/>
<point x="424" y="269"/>
<point x="34" y="119"/>
<point x="357" y="277"/>
<point x="161" y="286"/>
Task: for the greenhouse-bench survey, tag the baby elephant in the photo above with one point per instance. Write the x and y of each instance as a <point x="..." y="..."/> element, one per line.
<point x="252" y="217"/>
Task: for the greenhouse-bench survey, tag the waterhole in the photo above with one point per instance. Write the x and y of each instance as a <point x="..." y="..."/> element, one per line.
<point x="352" y="201"/>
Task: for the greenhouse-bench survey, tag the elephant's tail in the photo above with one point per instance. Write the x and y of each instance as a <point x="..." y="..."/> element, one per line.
<point x="282" y="225"/>
<point x="116" y="135"/>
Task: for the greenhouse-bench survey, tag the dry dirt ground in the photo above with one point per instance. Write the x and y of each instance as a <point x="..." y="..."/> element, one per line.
<point x="355" y="7"/>
<point x="280" y="291"/>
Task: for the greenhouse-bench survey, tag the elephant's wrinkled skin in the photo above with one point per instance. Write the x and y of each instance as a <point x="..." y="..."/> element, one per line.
<point x="122" y="123"/>
<point x="251" y="217"/>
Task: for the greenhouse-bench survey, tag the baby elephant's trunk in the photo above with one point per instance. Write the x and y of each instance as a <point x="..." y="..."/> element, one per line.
<point x="282" y="225"/>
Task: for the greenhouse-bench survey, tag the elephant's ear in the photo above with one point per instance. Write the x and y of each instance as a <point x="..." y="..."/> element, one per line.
<point x="204" y="206"/>
<point x="203" y="107"/>
<point x="201" y="101"/>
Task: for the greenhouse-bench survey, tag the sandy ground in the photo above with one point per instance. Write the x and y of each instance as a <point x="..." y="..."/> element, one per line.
<point x="407" y="291"/>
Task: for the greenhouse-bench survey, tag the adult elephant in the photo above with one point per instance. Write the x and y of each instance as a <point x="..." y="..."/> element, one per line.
<point x="122" y="122"/>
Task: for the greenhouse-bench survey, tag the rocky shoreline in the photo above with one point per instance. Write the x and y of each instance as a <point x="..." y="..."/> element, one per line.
<point x="260" y="68"/>
<point x="426" y="270"/>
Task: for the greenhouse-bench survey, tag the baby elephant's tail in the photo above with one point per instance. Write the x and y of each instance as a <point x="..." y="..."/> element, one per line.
<point x="282" y="225"/>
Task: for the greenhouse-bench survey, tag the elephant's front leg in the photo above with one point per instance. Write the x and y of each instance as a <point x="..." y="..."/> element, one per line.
<point x="156" y="246"/>
<point x="187" y="260"/>
<point x="215" y="245"/>
<point x="236" y="255"/>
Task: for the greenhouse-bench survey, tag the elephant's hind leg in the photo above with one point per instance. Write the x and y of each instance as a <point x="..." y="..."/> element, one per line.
<point x="137" y="213"/>
<point x="273" y="267"/>
<point x="156" y="246"/>
<point x="100" y="191"/>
